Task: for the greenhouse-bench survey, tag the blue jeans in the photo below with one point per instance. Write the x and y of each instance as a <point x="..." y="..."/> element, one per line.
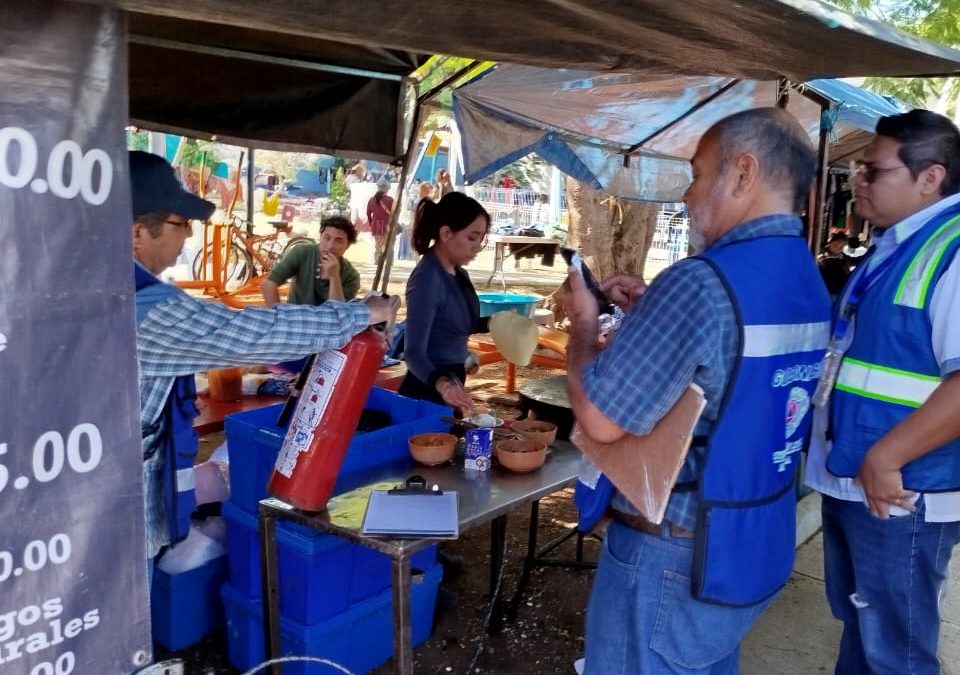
<point x="643" y="620"/>
<point x="884" y="579"/>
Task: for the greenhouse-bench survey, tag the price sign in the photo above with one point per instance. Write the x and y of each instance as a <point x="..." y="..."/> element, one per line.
<point x="73" y="596"/>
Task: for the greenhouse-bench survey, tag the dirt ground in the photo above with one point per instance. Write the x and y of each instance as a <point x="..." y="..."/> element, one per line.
<point x="547" y="635"/>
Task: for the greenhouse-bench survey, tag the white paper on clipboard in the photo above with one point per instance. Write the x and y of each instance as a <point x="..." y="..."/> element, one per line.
<point x="402" y="514"/>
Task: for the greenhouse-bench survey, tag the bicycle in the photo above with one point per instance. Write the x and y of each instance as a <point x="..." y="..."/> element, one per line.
<point x="247" y="255"/>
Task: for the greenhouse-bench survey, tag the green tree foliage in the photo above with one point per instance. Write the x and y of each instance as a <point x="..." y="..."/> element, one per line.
<point x="937" y="20"/>
<point x="339" y="194"/>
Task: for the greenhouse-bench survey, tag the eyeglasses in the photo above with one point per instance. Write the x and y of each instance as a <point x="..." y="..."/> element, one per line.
<point x="870" y="173"/>
<point x="181" y="223"/>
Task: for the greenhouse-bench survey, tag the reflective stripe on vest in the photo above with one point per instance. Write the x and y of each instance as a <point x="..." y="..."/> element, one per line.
<point x="885" y="384"/>
<point x="186" y="480"/>
<point x="778" y="339"/>
<point x="915" y="284"/>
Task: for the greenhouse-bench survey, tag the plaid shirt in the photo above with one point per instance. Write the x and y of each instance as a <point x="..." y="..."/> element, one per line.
<point x="183" y="335"/>
<point x="682" y="330"/>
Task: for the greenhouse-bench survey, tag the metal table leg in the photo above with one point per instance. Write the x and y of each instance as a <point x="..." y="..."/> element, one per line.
<point x="498" y="535"/>
<point x="271" y="589"/>
<point x="402" y="631"/>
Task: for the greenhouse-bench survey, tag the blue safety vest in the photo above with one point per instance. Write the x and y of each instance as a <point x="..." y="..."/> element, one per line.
<point x="746" y="525"/>
<point x="890" y="369"/>
<point x="178" y="442"/>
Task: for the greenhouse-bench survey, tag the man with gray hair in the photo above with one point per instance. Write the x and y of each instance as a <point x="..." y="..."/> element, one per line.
<point x="746" y="320"/>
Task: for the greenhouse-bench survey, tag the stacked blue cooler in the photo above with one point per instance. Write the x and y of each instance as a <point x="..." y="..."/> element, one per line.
<point x="335" y="596"/>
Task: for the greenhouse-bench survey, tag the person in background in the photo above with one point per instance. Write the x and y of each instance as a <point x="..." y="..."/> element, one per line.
<point x="834" y="267"/>
<point x="379" y="208"/>
<point x="319" y="273"/>
<point x="178" y="335"/>
<point x="885" y="452"/>
<point x="443" y="309"/>
<point x="444" y="185"/>
<point x="679" y="596"/>
<point x="425" y="191"/>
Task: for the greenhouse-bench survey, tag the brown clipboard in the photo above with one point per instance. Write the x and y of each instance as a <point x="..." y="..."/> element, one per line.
<point x="645" y="468"/>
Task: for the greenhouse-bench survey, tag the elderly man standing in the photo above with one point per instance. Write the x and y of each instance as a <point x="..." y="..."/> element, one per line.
<point x="747" y="320"/>
<point x="886" y="444"/>
<point x="177" y="335"/>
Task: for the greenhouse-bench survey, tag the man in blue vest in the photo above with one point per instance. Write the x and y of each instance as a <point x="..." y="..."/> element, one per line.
<point x="178" y="335"/>
<point x="885" y="451"/>
<point x="747" y="320"/>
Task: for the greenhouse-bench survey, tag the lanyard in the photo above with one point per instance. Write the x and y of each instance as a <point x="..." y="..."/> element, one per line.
<point x="860" y="286"/>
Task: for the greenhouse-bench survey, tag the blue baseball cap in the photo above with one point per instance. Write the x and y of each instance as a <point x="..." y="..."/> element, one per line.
<point x="154" y="187"/>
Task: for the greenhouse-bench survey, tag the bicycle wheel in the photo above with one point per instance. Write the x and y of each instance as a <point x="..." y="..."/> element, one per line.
<point x="239" y="267"/>
<point x="295" y="241"/>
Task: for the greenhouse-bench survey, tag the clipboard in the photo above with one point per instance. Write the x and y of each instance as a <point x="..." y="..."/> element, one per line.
<point x="412" y="511"/>
<point x="645" y="468"/>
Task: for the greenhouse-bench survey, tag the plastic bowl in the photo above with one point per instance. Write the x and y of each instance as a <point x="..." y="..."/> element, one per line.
<point x="521" y="454"/>
<point x="536" y="430"/>
<point x="433" y="448"/>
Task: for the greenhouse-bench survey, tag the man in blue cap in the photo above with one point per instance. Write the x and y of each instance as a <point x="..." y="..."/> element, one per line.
<point x="178" y="335"/>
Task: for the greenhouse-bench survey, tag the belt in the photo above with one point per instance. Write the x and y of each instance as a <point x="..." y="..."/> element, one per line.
<point x="638" y="522"/>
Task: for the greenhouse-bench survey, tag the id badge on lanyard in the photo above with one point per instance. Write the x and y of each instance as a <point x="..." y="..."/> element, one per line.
<point x="843" y="330"/>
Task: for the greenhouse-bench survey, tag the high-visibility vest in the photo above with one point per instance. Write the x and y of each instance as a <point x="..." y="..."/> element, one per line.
<point x="178" y="442"/>
<point x="890" y="369"/>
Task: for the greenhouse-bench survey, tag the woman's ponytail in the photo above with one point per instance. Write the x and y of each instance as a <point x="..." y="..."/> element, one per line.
<point x="426" y="225"/>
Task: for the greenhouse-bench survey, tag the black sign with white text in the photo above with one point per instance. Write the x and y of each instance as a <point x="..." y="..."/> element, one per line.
<point x="73" y="595"/>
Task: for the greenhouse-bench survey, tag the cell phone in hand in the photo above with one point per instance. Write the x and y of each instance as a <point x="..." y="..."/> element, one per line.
<point x="575" y="260"/>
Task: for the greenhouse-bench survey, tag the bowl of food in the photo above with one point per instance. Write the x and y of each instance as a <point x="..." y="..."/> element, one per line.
<point x="433" y="448"/>
<point x="537" y="430"/>
<point x="521" y="454"/>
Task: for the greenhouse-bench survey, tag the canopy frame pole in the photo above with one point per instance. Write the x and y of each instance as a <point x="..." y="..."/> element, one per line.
<point x="697" y="106"/>
<point x="815" y="220"/>
<point x="251" y="182"/>
<point x="382" y="276"/>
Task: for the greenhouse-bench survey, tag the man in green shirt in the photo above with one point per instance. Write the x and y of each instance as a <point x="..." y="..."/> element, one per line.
<point x="319" y="273"/>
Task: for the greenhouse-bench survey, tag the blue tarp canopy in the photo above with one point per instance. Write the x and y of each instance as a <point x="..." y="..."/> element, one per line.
<point x="587" y="123"/>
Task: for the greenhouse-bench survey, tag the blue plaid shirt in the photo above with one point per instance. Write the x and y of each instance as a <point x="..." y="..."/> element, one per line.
<point x="183" y="335"/>
<point x="682" y="330"/>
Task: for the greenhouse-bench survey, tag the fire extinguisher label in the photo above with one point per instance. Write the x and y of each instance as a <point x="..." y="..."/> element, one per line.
<point x="310" y="409"/>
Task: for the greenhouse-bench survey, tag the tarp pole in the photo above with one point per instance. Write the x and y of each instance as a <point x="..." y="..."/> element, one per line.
<point x="386" y="260"/>
<point x="815" y="233"/>
<point x="251" y="181"/>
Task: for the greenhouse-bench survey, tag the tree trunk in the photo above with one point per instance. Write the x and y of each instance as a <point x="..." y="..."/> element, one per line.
<point x="613" y="234"/>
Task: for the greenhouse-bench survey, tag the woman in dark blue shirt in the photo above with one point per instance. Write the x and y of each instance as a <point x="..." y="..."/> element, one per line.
<point x="442" y="306"/>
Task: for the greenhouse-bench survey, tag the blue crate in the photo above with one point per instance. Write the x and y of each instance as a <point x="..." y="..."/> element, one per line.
<point x="491" y="303"/>
<point x="320" y="574"/>
<point x="185" y="607"/>
<point x="254" y="440"/>
<point x="359" y="639"/>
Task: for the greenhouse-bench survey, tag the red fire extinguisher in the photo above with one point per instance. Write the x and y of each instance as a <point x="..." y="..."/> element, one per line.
<point x="325" y="420"/>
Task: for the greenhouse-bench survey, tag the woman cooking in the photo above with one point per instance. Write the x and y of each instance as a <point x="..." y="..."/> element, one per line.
<point x="442" y="306"/>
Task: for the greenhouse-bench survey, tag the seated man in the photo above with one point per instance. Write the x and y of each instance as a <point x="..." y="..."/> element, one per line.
<point x="319" y="272"/>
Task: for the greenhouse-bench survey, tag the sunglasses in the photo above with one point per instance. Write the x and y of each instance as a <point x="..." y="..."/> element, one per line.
<point x="869" y="173"/>
<point x="180" y="223"/>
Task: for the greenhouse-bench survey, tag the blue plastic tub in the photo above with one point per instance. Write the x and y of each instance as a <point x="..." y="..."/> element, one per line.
<point x="185" y="607"/>
<point x="359" y="639"/>
<point x="491" y="303"/>
<point x="320" y="574"/>
<point x="254" y="440"/>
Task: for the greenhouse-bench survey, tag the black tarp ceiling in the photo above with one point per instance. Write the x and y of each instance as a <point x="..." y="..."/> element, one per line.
<point x="277" y="103"/>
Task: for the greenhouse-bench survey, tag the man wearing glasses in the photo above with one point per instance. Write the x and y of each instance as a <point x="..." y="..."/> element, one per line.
<point x="178" y="335"/>
<point x="885" y="451"/>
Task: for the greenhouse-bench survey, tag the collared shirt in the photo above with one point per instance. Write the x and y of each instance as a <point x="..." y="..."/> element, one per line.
<point x="683" y="329"/>
<point x="183" y="335"/>
<point x="945" y="340"/>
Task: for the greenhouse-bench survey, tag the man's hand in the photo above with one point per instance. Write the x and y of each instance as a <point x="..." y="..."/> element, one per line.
<point x="882" y="484"/>
<point x="381" y="309"/>
<point x="580" y="304"/>
<point x="328" y="267"/>
<point x="623" y="289"/>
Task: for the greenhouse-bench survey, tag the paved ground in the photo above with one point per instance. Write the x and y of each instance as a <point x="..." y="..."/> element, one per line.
<point x="798" y="635"/>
